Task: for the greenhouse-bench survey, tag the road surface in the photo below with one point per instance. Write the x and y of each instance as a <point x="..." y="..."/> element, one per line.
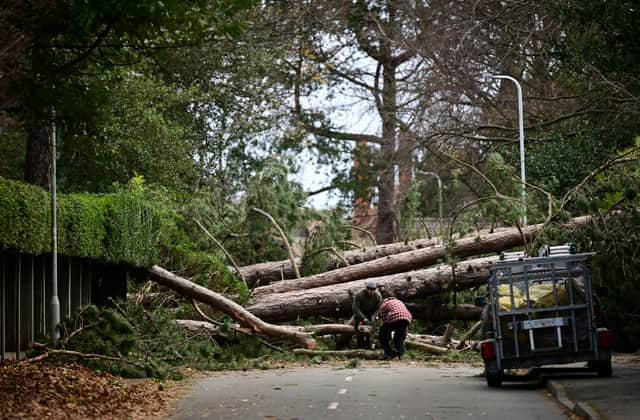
<point x="384" y="391"/>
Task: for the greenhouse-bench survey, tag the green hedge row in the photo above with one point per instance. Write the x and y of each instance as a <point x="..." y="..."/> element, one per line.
<point x="117" y="227"/>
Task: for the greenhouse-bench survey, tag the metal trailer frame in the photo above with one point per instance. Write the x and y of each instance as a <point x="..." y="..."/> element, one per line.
<point x="570" y="326"/>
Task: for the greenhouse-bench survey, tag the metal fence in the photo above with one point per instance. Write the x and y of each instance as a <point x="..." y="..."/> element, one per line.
<point x="25" y="295"/>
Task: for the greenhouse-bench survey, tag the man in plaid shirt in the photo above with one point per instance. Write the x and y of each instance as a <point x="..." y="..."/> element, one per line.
<point x="395" y="319"/>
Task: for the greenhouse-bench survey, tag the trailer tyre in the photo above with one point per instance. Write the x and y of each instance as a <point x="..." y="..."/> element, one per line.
<point x="604" y="368"/>
<point x="494" y="378"/>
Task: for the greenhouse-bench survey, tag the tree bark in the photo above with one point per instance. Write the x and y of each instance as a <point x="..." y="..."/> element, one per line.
<point x="429" y="348"/>
<point x="324" y="329"/>
<point x="412" y="260"/>
<point x="434" y="340"/>
<point x="38" y="157"/>
<point x="469" y="334"/>
<point x="229" y="307"/>
<point x="336" y="300"/>
<point x="268" y="272"/>
<point x="441" y="313"/>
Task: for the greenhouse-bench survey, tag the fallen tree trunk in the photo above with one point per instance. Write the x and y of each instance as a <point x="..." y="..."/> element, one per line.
<point x="229" y="307"/>
<point x="310" y="330"/>
<point x="412" y="260"/>
<point x="272" y="271"/>
<point x="336" y="300"/>
<point x="441" y="313"/>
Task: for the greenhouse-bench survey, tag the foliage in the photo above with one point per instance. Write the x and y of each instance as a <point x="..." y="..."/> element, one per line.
<point x="269" y="190"/>
<point x="140" y="129"/>
<point x="325" y="242"/>
<point x="246" y="235"/>
<point x="148" y="343"/>
<point x="94" y="37"/>
<point x="560" y="160"/>
<point x="612" y="198"/>
<point x="98" y="68"/>
<point x="102" y="331"/>
<point x="409" y="210"/>
<point x="183" y="247"/>
<point x="116" y="227"/>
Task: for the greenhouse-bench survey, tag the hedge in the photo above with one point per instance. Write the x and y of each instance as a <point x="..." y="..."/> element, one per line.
<point x="118" y="227"/>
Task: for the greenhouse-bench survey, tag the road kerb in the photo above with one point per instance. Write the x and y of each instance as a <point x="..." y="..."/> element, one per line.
<point x="581" y="408"/>
<point x="560" y="393"/>
<point x="586" y="411"/>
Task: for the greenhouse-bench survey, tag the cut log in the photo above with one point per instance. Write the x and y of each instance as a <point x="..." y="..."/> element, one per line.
<point x="469" y="334"/>
<point x="446" y="337"/>
<point x="336" y="300"/>
<point x="412" y="260"/>
<point x="434" y="340"/>
<point x="426" y="347"/>
<point x="229" y="307"/>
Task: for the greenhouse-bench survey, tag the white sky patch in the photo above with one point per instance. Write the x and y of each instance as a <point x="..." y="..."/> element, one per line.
<point x="347" y="114"/>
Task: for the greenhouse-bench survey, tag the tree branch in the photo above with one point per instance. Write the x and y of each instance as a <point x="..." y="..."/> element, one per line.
<point x="284" y="238"/>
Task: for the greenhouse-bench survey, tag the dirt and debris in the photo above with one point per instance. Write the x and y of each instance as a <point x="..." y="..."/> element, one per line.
<point x="72" y="391"/>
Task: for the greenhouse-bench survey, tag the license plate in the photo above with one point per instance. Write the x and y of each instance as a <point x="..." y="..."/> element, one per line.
<point x="544" y="323"/>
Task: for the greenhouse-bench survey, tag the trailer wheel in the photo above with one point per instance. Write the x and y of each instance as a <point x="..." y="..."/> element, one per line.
<point x="604" y="368"/>
<point x="494" y="378"/>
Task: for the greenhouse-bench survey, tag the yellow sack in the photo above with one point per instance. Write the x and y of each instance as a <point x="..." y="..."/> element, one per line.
<point x="536" y="292"/>
<point x="546" y="301"/>
<point x="504" y="298"/>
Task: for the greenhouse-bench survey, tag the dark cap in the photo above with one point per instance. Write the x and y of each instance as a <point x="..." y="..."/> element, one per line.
<point x="371" y="285"/>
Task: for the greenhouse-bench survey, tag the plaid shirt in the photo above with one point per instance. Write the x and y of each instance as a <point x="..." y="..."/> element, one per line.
<point x="393" y="310"/>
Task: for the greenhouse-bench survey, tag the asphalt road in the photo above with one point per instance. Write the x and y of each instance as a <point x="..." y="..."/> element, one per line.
<point x="384" y="391"/>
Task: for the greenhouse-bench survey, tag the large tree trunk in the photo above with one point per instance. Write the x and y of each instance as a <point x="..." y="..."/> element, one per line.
<point x="412" y="260"/>
<point x="440" y="313"/>
<point x="229" y="307"/>
<point x="336" y="300"/>
<point x="38" y="157"/>
<point x="268" y="272"/>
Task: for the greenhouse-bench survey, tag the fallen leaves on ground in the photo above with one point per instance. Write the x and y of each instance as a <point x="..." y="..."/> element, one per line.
<point x="72" y="391"/>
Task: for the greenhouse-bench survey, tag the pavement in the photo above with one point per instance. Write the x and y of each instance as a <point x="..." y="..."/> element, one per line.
<point x="594" y="398"/>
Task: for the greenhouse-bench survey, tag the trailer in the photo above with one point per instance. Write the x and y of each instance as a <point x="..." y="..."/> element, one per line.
<point x="542" y="311"/>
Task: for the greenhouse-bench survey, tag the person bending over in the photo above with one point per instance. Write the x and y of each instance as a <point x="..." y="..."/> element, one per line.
<point x="396" y="318"/>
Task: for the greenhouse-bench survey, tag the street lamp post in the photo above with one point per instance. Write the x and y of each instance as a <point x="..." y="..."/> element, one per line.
<point x="521" y="130"/>
<point x="439" y="196"/>
<point x="54" y="302"/>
